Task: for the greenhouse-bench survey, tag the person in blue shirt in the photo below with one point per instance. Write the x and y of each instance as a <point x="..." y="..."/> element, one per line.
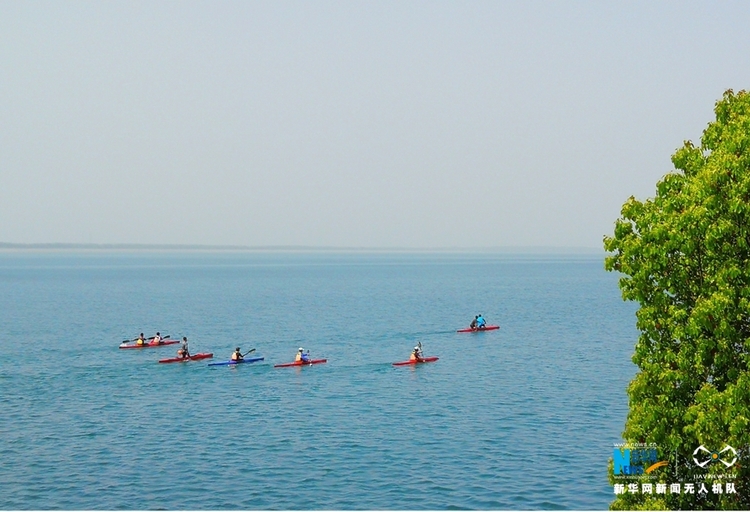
<point x="481" y="323"/>
<point x="303" y="356"/>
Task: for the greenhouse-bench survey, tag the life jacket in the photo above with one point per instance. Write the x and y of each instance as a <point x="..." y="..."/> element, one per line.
<point x="298" y="357"/>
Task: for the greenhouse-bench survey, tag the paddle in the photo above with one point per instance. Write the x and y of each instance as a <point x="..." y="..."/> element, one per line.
<point x="134" y="339"/>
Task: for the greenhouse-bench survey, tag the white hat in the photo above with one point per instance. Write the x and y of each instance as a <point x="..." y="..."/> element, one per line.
<point x="301" y="349"/>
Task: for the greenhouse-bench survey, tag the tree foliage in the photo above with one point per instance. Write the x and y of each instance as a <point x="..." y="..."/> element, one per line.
<point x="684" y="256"/>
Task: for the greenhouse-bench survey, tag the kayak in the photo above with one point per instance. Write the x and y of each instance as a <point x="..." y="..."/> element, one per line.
<point x="301" y="363"/>
<point x="488" y="328"/>
<point x="417" y="361"/>
<point x="162" y="343"/>
<point x="230" y="363"/>
<point x="194" y="357"/>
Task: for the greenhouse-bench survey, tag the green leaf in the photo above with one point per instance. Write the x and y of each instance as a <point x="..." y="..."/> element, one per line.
<point x="684" y="256"/>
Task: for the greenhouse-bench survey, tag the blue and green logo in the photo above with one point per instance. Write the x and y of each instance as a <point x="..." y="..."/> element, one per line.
<point x="636" y="461"/>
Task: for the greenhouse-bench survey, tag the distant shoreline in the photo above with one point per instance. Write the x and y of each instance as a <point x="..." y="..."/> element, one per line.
<point x="64" y="247"/>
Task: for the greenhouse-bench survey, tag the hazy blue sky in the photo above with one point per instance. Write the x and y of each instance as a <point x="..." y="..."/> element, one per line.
<point x="375" y="124"/>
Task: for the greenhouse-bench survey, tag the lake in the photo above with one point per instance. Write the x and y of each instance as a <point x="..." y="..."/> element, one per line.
<point x="523" y="417"/>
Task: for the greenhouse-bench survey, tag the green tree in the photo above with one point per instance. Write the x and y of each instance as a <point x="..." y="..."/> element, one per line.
<point x="684" y="256"/>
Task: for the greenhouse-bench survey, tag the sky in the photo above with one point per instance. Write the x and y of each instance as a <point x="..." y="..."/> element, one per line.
<point x="350" y="124"/>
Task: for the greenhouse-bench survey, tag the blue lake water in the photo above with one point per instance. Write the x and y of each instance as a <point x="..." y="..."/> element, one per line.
<point x="519" y="418"/>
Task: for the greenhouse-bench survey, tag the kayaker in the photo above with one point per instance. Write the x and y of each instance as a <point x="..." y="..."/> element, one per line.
<point x="473" y="324"/>
<point x="140" y="340"/>
<point x="481" y="323"/>
<point x="302" y="356"/>
<point x="237" y="355"/>
<point x="183" y="352"/>
<point x="416" y="354"/>
<point x="157" y="339"/>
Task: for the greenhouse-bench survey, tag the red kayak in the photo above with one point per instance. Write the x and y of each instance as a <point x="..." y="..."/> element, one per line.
<point x="150" y="344"/>
<point x="417" y="361"/>
<point x="301" y="363"/>
<point x="194" y="357"/>
<point x="488" y="328"/>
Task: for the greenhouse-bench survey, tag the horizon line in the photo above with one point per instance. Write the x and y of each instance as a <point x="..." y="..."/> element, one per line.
<point x="59" y="246"/>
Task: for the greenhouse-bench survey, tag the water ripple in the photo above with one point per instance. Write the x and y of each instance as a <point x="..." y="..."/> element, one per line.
<point x="522" y="418"/>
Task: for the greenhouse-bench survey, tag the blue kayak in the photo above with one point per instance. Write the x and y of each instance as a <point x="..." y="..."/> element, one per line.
<point x="229" y="363"/>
